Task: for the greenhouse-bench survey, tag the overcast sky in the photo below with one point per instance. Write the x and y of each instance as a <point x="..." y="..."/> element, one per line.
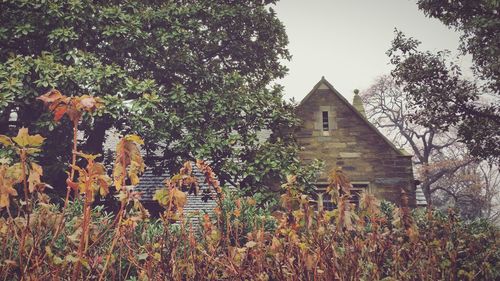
<point x="346" y="40"/>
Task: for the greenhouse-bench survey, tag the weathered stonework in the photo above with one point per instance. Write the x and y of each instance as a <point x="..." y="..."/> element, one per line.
<point x="352" y="143"/>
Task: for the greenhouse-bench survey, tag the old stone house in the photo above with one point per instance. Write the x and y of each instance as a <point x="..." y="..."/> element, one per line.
<point x="337" y="132"/>
<point x="334" y="131"/>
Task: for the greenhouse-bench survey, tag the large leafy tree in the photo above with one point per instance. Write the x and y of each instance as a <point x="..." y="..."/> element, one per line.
<point x="478" y="23"/>
<point x="190" y="76"/>
<point x="441" y="97"/>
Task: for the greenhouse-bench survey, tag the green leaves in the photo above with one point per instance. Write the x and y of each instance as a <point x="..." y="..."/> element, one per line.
<point x="441" y="97"/>
<point x="191" y="77"/>
<point x="478" y="24"/>
<point x="63" y="34"/>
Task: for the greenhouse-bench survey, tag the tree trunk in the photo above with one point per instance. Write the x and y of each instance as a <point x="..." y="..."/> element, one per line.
<point x="96" y="137"/>
<point x="4" y="121"/>
<point x="426" y="188"/>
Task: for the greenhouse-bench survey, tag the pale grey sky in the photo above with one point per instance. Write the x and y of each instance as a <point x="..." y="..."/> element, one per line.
<point x="346" y="40"/>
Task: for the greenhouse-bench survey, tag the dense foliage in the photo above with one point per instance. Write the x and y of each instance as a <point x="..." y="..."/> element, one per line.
<point x="479" y="24"/>
<point x="191" y="76"/>
<point x="439" y="96"/>
<point x="239" y="242"/>
<point x="439" y="89"/>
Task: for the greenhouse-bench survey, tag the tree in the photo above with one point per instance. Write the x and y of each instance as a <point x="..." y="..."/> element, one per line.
<point x="442" y="98"/>
<point x="388" y="110"/>
<point x="448" y="174"/>
<point x="490" y="177"/>
<point x="190" y="76"/>
<point x="479" y="23"/>
<point x="474" y="189"/>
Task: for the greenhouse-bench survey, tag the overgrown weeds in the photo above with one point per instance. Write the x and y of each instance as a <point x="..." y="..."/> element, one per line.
<point x="78" y="241"/>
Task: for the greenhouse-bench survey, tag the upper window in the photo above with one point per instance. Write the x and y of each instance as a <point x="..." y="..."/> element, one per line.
<point x="325" y="121"/>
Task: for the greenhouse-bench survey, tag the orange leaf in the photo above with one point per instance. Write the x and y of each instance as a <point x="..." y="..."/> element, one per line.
<point x="59" y="113"/>
<point x="134" y="138"/>
<point x="51" y="96"/>
<point x="128" y="156"/>
<point x="72" y="185"/>
<point x="73" y="114"/>
<point x="179" y="197"/>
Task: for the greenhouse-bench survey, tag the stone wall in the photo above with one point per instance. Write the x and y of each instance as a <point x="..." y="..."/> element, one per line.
<point x="364" y="155"/>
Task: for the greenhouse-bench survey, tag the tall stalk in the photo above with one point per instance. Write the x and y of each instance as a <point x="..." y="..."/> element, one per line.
<point x="82" y="247"/>
<point x="119" y="216"/>
<point x="22" y="154"/>
<point x="73" y="163"/>
<point x="71" y="177"/>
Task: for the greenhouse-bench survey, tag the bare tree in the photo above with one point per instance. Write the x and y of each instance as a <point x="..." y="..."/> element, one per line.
<point x="490" y="177"/>
<point x="474" y="188"/>
<point x="437" y="154"/>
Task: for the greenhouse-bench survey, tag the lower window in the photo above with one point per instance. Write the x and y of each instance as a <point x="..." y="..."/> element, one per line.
<point x="356" y="190"/>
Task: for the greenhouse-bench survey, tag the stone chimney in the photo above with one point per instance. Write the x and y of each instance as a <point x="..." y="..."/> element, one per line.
<point x="358" y="103"/>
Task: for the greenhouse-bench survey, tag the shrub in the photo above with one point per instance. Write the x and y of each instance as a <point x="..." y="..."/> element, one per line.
<point x="243" y="241"/>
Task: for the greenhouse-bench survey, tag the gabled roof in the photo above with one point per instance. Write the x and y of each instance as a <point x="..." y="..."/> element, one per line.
<point x="150" y="182"/>
<point x="400" y="152"/>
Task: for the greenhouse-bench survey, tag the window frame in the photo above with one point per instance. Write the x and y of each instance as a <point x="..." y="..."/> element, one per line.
<point x="325" y="121"/>
<point x="323" y="117"/>
<point x="357" y="186"/>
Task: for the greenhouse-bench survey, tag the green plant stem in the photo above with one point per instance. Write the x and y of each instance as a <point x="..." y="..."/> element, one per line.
<point x="113" y="243"/>
<point x="120" y="216"/>
<point x="85" y="227"/>
<point x="83" y="238"/>
<point x="27" y="199"/>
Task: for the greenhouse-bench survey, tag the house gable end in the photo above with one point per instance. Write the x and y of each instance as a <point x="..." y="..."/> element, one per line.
<point x="338" y="134"/>
<point x="323" y="84"/>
